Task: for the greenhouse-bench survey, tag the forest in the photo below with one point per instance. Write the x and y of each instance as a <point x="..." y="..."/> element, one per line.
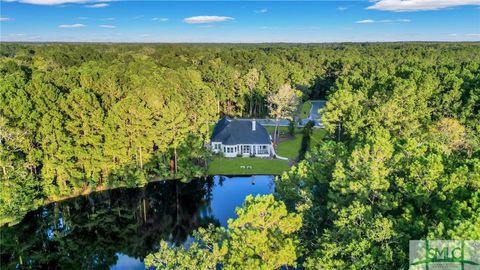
<point x="401" y="160"/>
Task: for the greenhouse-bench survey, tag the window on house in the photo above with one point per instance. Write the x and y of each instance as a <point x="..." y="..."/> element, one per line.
<point x="263" y="149"/>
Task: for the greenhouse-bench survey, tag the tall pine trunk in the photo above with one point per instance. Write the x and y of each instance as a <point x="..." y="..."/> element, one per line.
<point x="250" y="107"/>
<point x="275" y="133"/>
<point x="175" y="159"/>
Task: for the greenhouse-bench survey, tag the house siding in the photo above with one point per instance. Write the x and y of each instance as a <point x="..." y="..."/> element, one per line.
<point x="259" y="150"/>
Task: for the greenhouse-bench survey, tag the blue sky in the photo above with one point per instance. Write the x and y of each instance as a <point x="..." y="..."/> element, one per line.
<point x="246" y="21"/>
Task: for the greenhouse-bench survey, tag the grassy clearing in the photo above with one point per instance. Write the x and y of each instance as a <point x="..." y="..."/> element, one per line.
<point x="232" y="166"/>
<point x="307" y="105"/>
<point x="317" y="136"/>
<point x="271" y="129"/>
<point x="290" y="148"/>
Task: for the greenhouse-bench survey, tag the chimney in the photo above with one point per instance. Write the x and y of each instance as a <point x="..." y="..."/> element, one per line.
<point x="254" y="125"/>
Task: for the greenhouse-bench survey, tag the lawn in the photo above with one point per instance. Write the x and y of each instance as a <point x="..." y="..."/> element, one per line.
<point x="317" y="135"/>
<point x="232" y="166"/>
<point x="290" y="148"/>
<point x="270" y="129"/>
<point x="307" y="105"/>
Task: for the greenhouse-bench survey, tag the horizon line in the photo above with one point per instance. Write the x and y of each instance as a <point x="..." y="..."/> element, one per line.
<point x="261" y="42"/>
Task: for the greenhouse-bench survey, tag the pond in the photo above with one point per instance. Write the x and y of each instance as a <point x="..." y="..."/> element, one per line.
<point x="116" y="229"/>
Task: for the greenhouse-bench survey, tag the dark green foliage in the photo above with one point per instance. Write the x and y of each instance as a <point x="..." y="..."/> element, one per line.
<point x="291" y="128"/>
<point x="306" y="135"/>
<point x="401" y="160"/>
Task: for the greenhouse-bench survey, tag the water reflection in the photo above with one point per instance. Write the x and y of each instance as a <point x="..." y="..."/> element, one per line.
<point x="116" y="229"/>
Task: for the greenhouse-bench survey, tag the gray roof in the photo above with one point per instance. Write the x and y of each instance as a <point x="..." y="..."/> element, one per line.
<point x="233" y="131"/>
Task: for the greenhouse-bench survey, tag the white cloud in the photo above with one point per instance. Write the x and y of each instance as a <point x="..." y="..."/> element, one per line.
<point x="476" y="35"/>
<point x="342" y="8"/>
<point x="76" y="25"/>
<point x="5" y="19"/>
<point x="99" y="5"/>
<point x="263" y="10"/>
<point x="82" y="18"/>
<point x="61" y="2"/>
<point x="50" y="2"/>
<point x="16" y="35"/>
<point x="365" y="21"/>
<point x="160" y="19"/>
<point x="207" y="19"/>
<point x="383" y="21"/>
<point x="417" y="5"/>
<point x="106" y="26"/>
<point x="107" y="19"/>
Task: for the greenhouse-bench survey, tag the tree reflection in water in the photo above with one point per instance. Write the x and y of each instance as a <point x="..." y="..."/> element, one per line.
<point x="88" y="232"/>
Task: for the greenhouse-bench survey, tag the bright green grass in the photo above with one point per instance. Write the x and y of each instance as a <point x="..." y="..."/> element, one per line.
<point x="307" y="105"/>
<point x="317" y="136"/>
<point x="231" y="166"/>
<point x="290" y="148"/>
<point x="270" y="129"/>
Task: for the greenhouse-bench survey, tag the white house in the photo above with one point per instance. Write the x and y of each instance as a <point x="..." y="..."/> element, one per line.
<point x="235" y="137"/>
